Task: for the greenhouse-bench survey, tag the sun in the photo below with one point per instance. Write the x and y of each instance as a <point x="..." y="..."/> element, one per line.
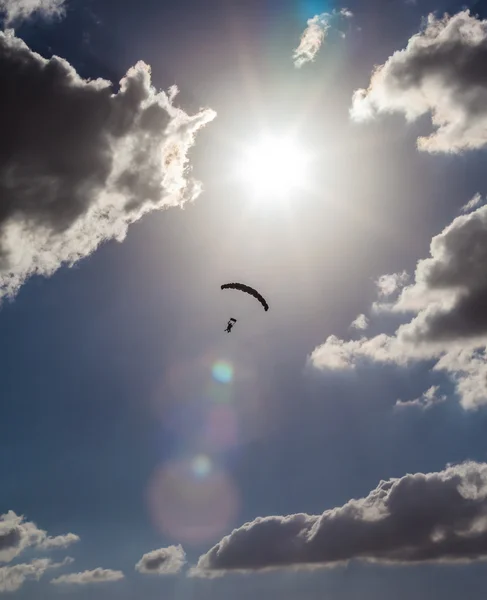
<point x="274" y="168"/>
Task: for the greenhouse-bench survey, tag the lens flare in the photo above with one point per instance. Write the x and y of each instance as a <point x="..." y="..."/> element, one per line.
<point x="222" y="371"/>
<point x="190" y="509"/>
<point x="221" y="431"/>
<point x="201" y="465"/>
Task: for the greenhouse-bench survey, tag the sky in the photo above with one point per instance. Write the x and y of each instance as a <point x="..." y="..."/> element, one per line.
<point x="329" y="155"/>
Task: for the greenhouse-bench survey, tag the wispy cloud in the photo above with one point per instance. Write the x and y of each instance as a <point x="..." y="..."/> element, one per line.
<point x="89" y="577"/>
<point x="441" y="71"/>
<point x="87" y="162"/>
<point x="13" y="577"/>
<point x="165" y="561"/>
<point x="16" y="10"/>
<point x="420" y="518"/>
<point x="314" y="35"/>
<point x="472" y="203"/>
<point x="426" y="400"/>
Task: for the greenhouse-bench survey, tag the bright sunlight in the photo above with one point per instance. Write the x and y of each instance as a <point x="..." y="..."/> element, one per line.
<point x="274" y="168"/>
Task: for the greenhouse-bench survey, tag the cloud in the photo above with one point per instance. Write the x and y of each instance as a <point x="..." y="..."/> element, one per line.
<point x="472" y="203"/>
<point x="390" y="283"/>
<point x="451" y="286"/>
<point x="15" y="10"/>
<point x="361" y="322"/>
<point x="336" y="354"/>
<point x="449" y="299"/>
<point x="165" y="561"/>
<point x="59" y="541"/>
<point x="17" y="534"/>
<point x="441" y="71"/>
<point x="425" y="401"/>
<point x="314" y="35"/>
<point x="88" y="577"/>
<point x="12" y="578"/>
<point x="79" y="163"/>
<point x="421" y="518"/>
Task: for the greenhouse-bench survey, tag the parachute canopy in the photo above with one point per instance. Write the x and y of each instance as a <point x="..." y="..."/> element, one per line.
<point x="248" y="290"/>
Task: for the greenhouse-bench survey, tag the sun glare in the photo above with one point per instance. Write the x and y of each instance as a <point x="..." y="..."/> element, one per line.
<point x="274" y="168"/>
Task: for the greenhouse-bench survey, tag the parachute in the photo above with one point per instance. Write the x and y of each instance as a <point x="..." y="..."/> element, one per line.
<point x="248" y="290"/>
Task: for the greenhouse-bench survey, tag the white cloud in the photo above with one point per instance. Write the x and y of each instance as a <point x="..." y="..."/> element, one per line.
<point x="361" y="322"/>
<point x="59" y="541"/>
<point x="13" y="577"/>
<point x="17" y="534"/>
<point x="15" y="10"/>
<point x="89" y="577"/>
<point x="390" y="283"/>
<point x="165" y="561"/>
<point x="425" y="401"/>
<point x="86" y="163"/>
<point x="472" y="203"/>
<point x="441" y="71"/>
<point x="314" y="35"/>
<point x="449" y="299"/>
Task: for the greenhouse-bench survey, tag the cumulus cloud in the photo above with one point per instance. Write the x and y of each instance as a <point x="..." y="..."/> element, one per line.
<point x="88" y="577"/>
<point x="449" y="299"/>
<point x="17" y="534"/>
<point x="314" y="35"/>
<point x="361" y="322"/>
<point x="165" y="561"/>
<point x="441" y="71"/>
<point x="472" y="203"/>
<point x="12" y="578"/>
<point x="390" y="283"/>
<point x="425" y="401"/>
<point x="451" y="286"/>
<point x="435" y="517"/>
<point x="15" y="10"/>
<point x="79" y="163"/>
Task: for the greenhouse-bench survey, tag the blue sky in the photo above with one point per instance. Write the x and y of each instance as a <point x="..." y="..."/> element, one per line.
<point x="143" y="451"/>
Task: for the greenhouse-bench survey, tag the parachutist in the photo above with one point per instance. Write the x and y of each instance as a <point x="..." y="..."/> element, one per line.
<point x="243" y="288"/>
<point x="230" y="324"/>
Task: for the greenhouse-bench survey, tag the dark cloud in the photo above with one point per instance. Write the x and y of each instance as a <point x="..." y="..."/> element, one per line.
<point x="441" y="71"/>
<point x="15" y="10"/>
<point x="449" y="301"/>
<point x="78" y="162"/>
<point x="451" y="284"/>
<point x="165" y="561"/>
<point x="435" y="517"/>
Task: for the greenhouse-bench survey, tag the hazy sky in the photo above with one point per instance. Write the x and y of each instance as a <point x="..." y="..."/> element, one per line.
<point x="333" y="157"/>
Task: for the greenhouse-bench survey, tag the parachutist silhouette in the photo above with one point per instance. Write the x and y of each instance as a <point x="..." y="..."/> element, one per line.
<point x="230" y="324"/>
<point x="242" y="288"/>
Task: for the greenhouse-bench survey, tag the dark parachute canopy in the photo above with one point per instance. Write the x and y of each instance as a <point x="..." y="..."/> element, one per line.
<point x="248" y="290"/>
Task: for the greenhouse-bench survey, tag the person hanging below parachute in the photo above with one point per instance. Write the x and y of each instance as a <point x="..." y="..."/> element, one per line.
<point x="230" y="324"/>
<point x="248" y="290"/>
